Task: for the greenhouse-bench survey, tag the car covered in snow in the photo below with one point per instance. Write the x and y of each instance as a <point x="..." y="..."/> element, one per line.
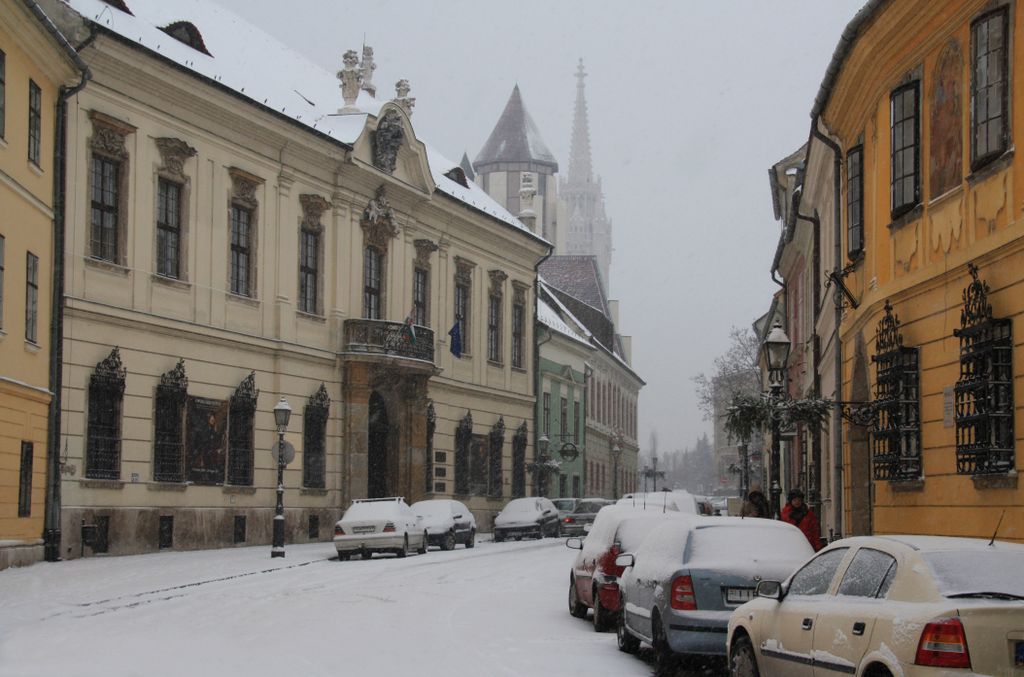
<point x="535" y="516"/>
<point x="678" y="500"/>
<point x="880" y="606"/>
<point x="576" y="522"/>
<point x="681" y="584"/>
<point x="447" y="522"/>
<point x="386" y="525"/>
<point x="565" y="506"/>
<point x="593" y="579"/>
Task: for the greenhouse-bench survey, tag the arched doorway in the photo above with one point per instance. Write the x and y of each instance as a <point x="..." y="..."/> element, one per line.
<point x="377" y="448"/>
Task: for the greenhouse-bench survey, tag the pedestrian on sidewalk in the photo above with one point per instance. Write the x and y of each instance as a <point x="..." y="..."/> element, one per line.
<point x="756" y="504"/>
<point x="799" y="515"/>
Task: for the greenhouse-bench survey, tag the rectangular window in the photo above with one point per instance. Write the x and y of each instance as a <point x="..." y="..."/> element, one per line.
<point x="547" y="414"/>
<point x="241" y="250"/>
<point x="563" y="426"/>
<point x="169" y="438"/>
<point x="239" y="529"/>
<point x="420" y="279"/>
<point x="494" y="328"/>
<point x="313" y="533"/>
<point x="309" y="274"/>
<point x="462" y="314"/>
<point x="3" y="243"/>
<point x="240" y="441"/>
<point x="168" y="228"/>
<point x="166" y="532"/>
<point x="576" y="421"/>
<point x="855" y="202"/>
<point x="32" y="298"/>
<point x="518" y="322"/>
<point x="372" y="287"/>
<point x="25" y="481"/>
<point x="3" y="93"/>
<point x="989" y="85"/>
<point x="106" y="182"/>
<point x="103" y="442"/>
<point x="905" y="122"/>
<point x="35" y="122"/>
<point x="314" y="446"/>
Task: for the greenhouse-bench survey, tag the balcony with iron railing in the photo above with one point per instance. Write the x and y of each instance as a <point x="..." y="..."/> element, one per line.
<point x="389" y="340"/>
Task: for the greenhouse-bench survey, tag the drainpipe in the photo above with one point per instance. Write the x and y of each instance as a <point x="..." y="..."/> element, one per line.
<point x="837" y="423"/>
<point x="814" y="471"/>
<point x="537" y="384"/>
<point x="51" y="520"/>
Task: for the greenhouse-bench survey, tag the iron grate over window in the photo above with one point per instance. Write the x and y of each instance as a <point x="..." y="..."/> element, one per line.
<point x="896" y="430"/>
<point x="103" y="436"/>
<point x="431" y="427"/>
<point x="463" y="441"/>
<point x="496" y="445"/>
<point x="519" y="461"/>
<point x="169" y="438"/>
<point x="240" y="431"/>
<point x="984" y="391"/>
<point x="314" y="439"/>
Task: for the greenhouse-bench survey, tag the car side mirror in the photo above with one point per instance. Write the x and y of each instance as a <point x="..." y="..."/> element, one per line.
<point x="625" y="560"/>
<point x="574" y="542"/>
<point x="770" y="589"/>
<point x="547" y="512"/>
<point x="459" y="516"/>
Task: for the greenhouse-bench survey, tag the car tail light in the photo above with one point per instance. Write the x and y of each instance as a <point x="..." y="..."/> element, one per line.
<point x="569" y="520"/>
<point x="389" y="527"/>
<point x="338" y="531"/>
<point x="683" y="597"/>
<point x="943" y="644"/>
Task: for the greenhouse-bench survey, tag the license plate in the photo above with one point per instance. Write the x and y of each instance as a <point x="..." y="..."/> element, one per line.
<point x="364" y="530"/>
<point x="738" y="595"/>
<point x="1018" y="655"/>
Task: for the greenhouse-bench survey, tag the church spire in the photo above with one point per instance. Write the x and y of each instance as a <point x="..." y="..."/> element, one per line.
<point x="580" y="170"/>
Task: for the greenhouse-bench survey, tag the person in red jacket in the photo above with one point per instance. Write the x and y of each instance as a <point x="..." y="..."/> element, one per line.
<point x="799" y="515"/>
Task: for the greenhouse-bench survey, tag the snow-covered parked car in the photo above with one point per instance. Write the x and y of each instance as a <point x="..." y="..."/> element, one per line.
<point x="679" y="500"/>
<point x="565" y="506"/>
<point x="447" y="522"/>
<point x="379" y="525"/>
<point x="576" y="522"/>
<point x="594" y="577"/>
<point x="535" y="516"/>
<point x="682" y="583"/>
<point x="880" y="606"/>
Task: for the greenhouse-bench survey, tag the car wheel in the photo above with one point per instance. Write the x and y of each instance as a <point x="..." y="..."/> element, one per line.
<point x="472" y="538"/>
<point x="600" y="614"/>
<point x="663" y="656"/>
<point x="498" y="537"/>
<point x="449" y="541"/>
<point x="404" y="550"/>
<point x="422" y="550"/>
<point x="577" y="609"/>
<point x="742" y="660"/>
<point x="343" y="556"/>
<point x="364" y="554"/>
<point x="627" y="642"/>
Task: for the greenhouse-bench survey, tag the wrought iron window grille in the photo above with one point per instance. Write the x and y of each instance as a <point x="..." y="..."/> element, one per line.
<point x="463" y="439"/>
<point x="103" y="437"/>
<point x="240" y="431"/>
<point x="496" y="445"/>
<point x="431" y="427"/>
<point x="984" y="392"/>
<point x="169" y="439"/>
<point x="896" y="423"/>
<point x="314" y="439"/>
<point x="519" y="441"/>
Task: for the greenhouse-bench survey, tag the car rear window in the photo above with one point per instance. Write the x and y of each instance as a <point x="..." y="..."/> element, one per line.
<point x="713" y="545"/>
<point x="564" y="503"/>
<point x="432" y="508"/>
<point x="366" y="511"/>
<point x="522" y="505"/>
<point x="959" y="572"/>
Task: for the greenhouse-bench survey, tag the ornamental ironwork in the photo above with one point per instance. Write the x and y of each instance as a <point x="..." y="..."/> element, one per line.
<point x="169" y="437"/>
<point x="103" y="436"/>
<point x="463" y="440"/>
<point x="241" y="433"/>
<point x="896" y="425"/>
<point x="519" y="441"/>
<point x="314" y="439"/>
<point x="497" y="444"/>
<point x="395" y="339"/>
<point x="984" y="392"/>
<point x="429" y="465"/>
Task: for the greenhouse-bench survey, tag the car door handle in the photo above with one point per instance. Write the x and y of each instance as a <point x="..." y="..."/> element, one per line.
<point x="858" y="628"/>
<point x="806" y="625"/>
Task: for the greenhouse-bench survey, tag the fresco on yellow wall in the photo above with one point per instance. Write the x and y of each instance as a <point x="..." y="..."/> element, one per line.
<point x="945" y="149"/>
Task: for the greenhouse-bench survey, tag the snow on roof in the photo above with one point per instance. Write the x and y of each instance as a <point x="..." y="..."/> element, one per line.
<point x="515" y="138"/>
<point x="548" y="317"/>
<point x="259" y="67"/>
<point x="944" y="543"/>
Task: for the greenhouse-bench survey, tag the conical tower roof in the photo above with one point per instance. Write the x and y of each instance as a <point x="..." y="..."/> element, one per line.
<point x="515" y="139"/>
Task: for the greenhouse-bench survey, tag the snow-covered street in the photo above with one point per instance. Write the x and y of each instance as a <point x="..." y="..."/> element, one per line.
<point x="497" y="609"/>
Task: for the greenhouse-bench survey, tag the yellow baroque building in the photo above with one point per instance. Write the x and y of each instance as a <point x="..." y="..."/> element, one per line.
<point x="35" y="64"/>
<point x="925" y="101"/>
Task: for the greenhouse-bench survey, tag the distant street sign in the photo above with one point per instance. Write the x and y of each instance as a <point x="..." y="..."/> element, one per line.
<point x="289" y="452"/>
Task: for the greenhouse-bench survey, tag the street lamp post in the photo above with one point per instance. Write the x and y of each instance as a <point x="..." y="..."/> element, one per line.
<point x="776" y="352"/>
<point x="282" y="412"/>
<point x="542" y="474"/>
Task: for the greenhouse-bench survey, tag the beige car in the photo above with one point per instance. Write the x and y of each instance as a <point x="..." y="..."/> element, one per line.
<point x="886" y="606"/>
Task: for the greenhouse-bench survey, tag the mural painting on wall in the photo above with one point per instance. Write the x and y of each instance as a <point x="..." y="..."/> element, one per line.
<point x="207" y="440"/>
<point x="946" y="149"/>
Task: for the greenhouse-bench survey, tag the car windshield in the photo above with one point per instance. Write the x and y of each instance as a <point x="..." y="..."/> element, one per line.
<point x="368" y="511"/>
<point x="432" y="508"/>
<point x="522" y="505"/>
<point x="967" y="572"/>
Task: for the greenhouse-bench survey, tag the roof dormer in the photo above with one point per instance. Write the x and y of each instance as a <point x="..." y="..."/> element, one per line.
<point x="187" y="33"/>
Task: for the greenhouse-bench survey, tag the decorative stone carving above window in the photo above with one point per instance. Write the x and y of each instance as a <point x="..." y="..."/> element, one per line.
<point x="109" y="135"/>
<point x="424" y="248"/>
<point x="463" y="271"/>
<point x="402" y="97"/>
<point x="313" y="207"/>
<point x="519" y="291"/>
<point x="243" y="187"/>
<point x="173" y="154"/>
<point x="378" y="220"/>
<point x="387" y="140"/>
<point x="498" y="278"/>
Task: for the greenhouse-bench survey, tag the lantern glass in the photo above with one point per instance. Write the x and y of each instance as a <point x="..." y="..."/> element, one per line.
<point x="776" y="348"/>
<point x="282" y="413"/>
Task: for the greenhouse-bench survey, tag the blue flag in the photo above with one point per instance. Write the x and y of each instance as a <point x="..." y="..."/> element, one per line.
<point x="456" y="343"/>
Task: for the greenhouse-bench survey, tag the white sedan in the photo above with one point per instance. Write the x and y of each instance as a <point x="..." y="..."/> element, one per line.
<point x="379" y="525"/>
<point x="884" y="606"/>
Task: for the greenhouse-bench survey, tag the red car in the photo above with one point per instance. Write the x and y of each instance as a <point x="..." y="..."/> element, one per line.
<point x="594" y="579"/>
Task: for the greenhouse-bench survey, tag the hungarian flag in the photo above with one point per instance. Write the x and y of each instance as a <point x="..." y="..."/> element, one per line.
<point x="456" y="335"/>
<point x="410" y="329"/>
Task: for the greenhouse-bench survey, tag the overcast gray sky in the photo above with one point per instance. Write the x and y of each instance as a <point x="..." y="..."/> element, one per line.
<point x="690" y="103"/>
